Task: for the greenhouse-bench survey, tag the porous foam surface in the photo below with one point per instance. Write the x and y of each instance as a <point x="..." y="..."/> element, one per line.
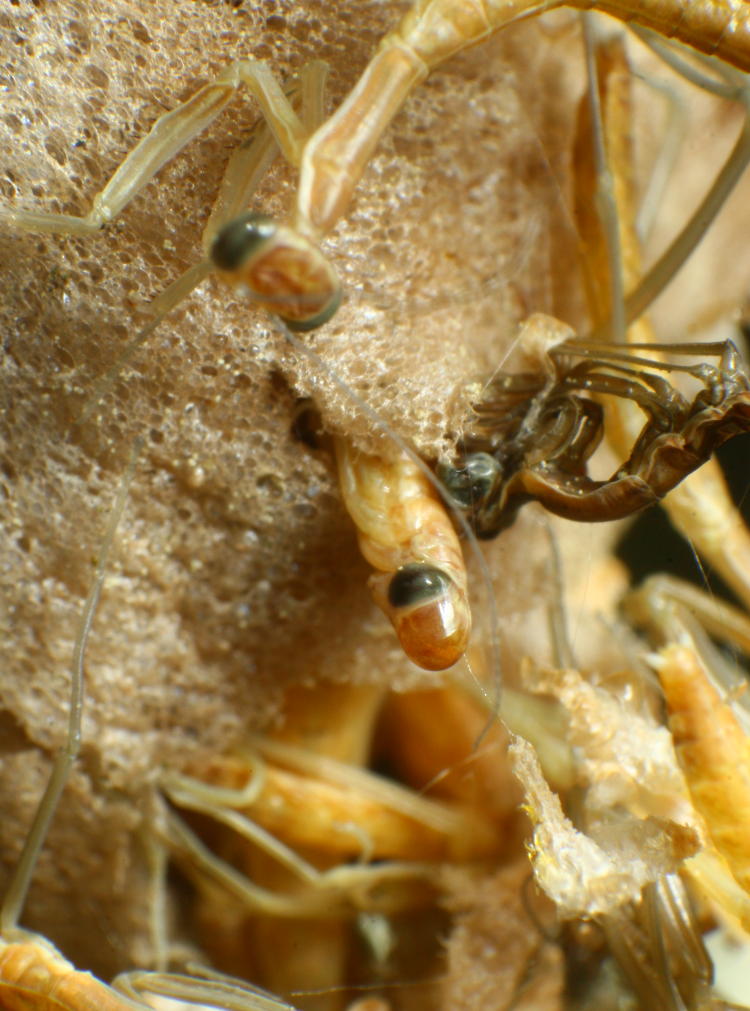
<point x="236" y="571"/>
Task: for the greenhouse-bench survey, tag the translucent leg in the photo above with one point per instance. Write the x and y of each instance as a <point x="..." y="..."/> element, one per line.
<point x="701" y="507"/>
<point x="161" y="306"/>
<point x="169" y="134"/>
<point x="726" y="83"/>
<point x="15" y="896"/>
<point x="211" y="991"/>
<point x="242" y="176"/>
<point x="251" y="161"/>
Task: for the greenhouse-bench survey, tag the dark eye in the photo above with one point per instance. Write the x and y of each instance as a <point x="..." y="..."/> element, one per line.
<point x="415" y="583"/>
<point x="241" y="239"/>
<point x="470" y="484"/>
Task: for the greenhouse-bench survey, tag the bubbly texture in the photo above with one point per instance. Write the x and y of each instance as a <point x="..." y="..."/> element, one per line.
<point x="237" y="571"/>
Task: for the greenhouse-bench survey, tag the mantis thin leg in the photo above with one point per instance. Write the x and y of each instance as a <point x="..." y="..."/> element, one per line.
<point x="250" y="162"/>
<point x="161" y="307"/>
<point x="661" y="274"/>
<point x="242" y="176"/>
<point x="169" y="134"/>
<point x="666" y="158"/>
<point x="731" y="85"/>
<point x="719" y="619"/>
<point x="21" y="880"/>
<point x="604" y="196"/>
<point x="701" y="507"/>
<point x="215" y="990"/>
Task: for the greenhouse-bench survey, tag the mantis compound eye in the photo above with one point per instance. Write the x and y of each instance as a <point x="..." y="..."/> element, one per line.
<point x="472" y="483"/>
<point x="280" y="268"/>
<point x="240" y="240"/>
<point x="415" y="584"/>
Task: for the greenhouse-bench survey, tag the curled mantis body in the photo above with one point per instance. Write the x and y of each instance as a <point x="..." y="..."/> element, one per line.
<point x="406" y="533"/>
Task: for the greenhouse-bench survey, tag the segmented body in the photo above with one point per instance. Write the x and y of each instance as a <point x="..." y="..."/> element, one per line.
<point x="35" y="977"/>
<point x="405" y="532"/>
<point x="432" y="31"/>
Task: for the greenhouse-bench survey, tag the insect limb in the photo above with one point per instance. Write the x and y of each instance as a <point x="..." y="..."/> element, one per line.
<point x="250" y="162"/>
<point x="604" y="193"/>
<point x="712" y="874"/>
<point x="191" y="795"/>
<point x="650" y="605"/>
<point x="670" y="262"/>
<point x="242" y="177"/>
<point x="582" y="499"/>
<point x="672" y="900"/>
<point x="175" y="783"/>
<point x="213" y="991"/>
<point x="673" y="611"/>
<point x="312" y="80"/>
<point x="661" y="274"/>
<point x="157" y="861"/>
<point x="337" y="153"/>
<point x="730" y="360"/>
<point x="718" y="78"/>
<point x="20" y="881"/>
<point x="720" y="535"/>
<point x="657" y="943"/>
<point x="328" y="893"/>
<point x="169" y="134"/>
<point x="655" y="186"/>
<point x="564" y="654"/>
<point x="664" y="411"/>
<point x="375" y="788"/>
<point x="357" y="816"/>
<point x="198" y="860"/>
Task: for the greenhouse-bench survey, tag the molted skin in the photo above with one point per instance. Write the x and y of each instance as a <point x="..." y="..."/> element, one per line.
<point x="542" y="429"/>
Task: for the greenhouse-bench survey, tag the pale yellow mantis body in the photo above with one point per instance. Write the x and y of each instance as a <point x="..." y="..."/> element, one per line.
<point x="281" y="264"/>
